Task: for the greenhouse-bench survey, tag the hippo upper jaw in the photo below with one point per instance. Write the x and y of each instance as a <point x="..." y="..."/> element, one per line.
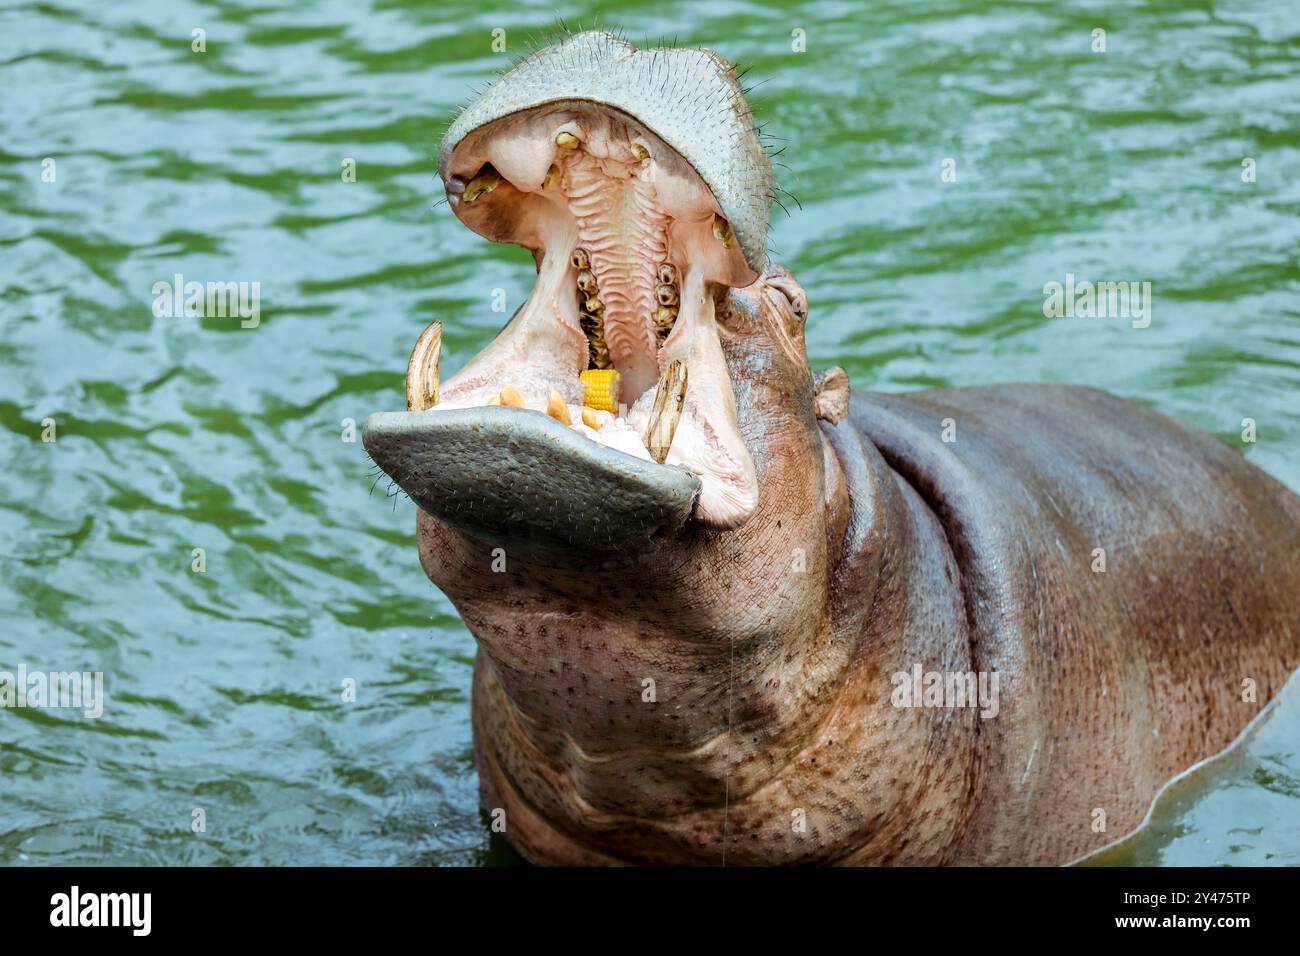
<point x="630" y="220"/>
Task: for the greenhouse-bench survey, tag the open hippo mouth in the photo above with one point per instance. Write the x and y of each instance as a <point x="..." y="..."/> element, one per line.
<point x="604" y="410"/>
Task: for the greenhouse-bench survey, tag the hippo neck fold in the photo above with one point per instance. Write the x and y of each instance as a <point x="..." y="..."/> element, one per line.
<point x="717" y="754"/>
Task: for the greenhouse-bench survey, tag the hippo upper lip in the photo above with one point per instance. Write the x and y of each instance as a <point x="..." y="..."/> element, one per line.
<point x="691" y="98"/>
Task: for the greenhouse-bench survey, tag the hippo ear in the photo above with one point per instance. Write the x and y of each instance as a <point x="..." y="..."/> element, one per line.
<point x="832" y="394"/>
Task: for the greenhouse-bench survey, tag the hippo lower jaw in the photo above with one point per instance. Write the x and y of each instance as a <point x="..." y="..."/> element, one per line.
<point x="633" y="256"/>
<point x="510" y="475"/>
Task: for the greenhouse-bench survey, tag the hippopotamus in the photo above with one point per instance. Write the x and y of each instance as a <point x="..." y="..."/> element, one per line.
<point x="731" y="612"/>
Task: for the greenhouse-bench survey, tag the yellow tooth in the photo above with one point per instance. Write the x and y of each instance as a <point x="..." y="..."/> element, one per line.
<point x="422" y="369"/>
<point x="722" y="232"/>
<point x="586" y="281"/>
<point x="639" y="151"/>
<point x="665" y="316"/>
<point x="590" y="420"/>
<point x="594" y="305"/>
<point x="551" y="175"/>
<point x="580" y="259"/>
<point x="511" y="397"/>
<point x="494" y="400"/>
<point x="667" y="273"/>
<point x="566" y="141"/>
<point x="666" y="294"/>
<point x="666" y="411"/>
<point x="487" y="180"/>
<point x="556" y="408"/>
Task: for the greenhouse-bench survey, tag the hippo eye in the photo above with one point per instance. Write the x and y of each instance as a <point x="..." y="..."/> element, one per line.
<point x="783" y="281"/>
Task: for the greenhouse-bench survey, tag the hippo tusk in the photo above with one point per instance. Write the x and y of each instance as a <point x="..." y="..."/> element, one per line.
<point x="666" y="411"/>
<point x="422" y="369"/>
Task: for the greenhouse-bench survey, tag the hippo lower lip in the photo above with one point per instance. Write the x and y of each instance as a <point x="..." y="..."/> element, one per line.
<point x="631" y="225"/>
<point x="492" y="472"/>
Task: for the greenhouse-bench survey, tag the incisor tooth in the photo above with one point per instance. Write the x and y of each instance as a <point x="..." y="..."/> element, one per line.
<point x="566" y="140"/>
<point x="639" y="151"/>
<point x="487" y="180"/>
<point x="494" y="400"/>
<point x="666" y="411"/>
<point x="422" y="369"/>
<point x="590" y="420"/>
<point x="556" y="408"/>
<point x="511" y="397"/>
<point x="551" y="173"/>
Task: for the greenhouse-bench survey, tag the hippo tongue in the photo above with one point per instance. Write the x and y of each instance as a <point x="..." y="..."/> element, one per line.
<point x="509" y="474"/>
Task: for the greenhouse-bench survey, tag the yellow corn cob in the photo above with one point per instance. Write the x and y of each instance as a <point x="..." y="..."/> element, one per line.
<point x="600" y="389"/>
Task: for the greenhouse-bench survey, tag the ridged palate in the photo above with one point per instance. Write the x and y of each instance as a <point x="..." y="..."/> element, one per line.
<point x="625" y="235"/>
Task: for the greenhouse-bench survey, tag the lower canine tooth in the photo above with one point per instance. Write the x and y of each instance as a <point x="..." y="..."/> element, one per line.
<point x="511" y="397"/>
<point x="556" y="408"/>
<point x="422" y="369"/>
<point x="666" y="411"/>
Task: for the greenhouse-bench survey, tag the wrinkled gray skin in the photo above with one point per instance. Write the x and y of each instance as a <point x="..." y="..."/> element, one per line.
<point x="770" y="735"/>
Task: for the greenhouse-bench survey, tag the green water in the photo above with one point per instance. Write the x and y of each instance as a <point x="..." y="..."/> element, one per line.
<point x="181" y="433"/>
